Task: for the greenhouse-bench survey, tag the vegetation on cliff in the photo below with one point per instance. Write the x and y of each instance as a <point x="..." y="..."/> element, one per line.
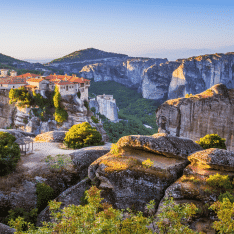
<point x="60" y="114"/>
<point x="82" y="135"/>
<point x="212" y="141"/>
<point x="9" y="153"/>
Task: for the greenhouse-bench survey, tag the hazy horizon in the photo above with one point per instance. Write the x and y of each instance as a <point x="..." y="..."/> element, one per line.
<point x="49" y="29"/>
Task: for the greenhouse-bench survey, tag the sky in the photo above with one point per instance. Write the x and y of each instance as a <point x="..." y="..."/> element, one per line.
<point x="48" y="29"/>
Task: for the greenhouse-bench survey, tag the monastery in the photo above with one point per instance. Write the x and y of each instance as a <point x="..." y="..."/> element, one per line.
<point x="67" y="85"/>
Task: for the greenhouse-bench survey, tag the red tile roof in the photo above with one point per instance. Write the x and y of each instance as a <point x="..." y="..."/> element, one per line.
<point x="28" y="75"/>
<point x="12" y="80"/>
<point x="35" y="80"/>
<point x="65" y="77"/>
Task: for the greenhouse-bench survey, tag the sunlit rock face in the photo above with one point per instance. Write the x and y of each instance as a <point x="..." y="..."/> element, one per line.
<point x="197" y="74"/>
<point x="210" y="112"/>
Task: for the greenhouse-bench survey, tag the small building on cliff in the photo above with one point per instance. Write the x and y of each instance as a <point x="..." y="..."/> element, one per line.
<point x="105" y="105"/>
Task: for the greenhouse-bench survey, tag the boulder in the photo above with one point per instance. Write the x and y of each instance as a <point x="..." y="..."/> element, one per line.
<point x="127" y="183"/>
<point x="192" y="187"/>
<point x="70" y="196"/>
<point x="162" y="143"/>
<point x="82" y="158"/>
<point x="52" y="136"/>
<point x="4" y="229"/>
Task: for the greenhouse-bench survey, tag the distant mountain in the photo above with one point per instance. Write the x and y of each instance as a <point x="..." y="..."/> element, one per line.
<point x="87" y="54"/>
<point x="4" y="59"/>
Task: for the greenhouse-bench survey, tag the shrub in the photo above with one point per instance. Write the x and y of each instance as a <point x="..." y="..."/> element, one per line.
<point x="212" y="141"/>
<point x="225" y="213"/>
<point x="60" y="115"/>
<point x="56" y="97"/>
<point x="86" y="104"/>
<point x="147" y="163"/>
<point x="227" y="195"/>
<point x="27" y="216"/>
<point x="78" y="94"/>
<point x="95" y="120"/>
<point x="44" y="195"/>
<point x="9" y="153"/>
<point x="219" y="181"/>
<point x="114" y="149"/>
<point x="173" y="215"/>
<point x="62" y="161"/>
<point x="82" y="135"/>
<point x="93" y="109"/>
<point x="21" y="96"/>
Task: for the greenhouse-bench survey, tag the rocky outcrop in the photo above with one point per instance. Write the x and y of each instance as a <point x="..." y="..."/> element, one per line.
<point x="17" y="133"/>
<point x="70" y="196"/>
<point x="52" y="136"/>
<point x="82" y="158"/>
<point x="127" y="183"/>
<point x="192" y="187"/>
<point x="210" y="112"/>
<point x="4" y="229"/>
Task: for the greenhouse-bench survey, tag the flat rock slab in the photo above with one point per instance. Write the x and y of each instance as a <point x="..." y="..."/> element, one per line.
<point x="52" y="136"/>
<point x="216" y="159"/>
<point x="161" y="143"/>
<point x="4" y="229"/>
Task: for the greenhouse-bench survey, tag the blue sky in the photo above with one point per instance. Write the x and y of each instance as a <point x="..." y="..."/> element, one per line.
<point x="53" y="28"/>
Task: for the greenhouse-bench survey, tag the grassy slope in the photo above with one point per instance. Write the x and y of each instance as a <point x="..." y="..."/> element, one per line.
<point x="86" y="54"/>
<point x="132" y="106"/>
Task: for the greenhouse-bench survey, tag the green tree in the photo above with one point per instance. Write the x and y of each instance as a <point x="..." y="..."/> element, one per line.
<point x="82" y="135"/>
<point x="60" y="115"/>
<point x="57" y="97"/>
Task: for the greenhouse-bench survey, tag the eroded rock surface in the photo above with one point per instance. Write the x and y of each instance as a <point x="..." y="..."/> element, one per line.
<point x="124" y="180"/>
<point x="192" y="187"/>
<point x="210" y="112"/>
<point x="52" y="136"/>
<point x="4" y="229"/>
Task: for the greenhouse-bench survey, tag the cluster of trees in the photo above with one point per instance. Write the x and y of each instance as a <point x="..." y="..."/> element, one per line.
<point x="21" y="96"/>
<point x="134" y="110"/>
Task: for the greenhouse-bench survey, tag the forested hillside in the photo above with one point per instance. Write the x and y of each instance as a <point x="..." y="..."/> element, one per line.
<point x="133" y="110"/>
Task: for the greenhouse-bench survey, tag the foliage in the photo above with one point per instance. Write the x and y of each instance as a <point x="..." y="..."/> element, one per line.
<point x="86" y="104"/>
<point x="225" y="213"/>
<point x="62" y="161"/>
<point x="9" y="153"/>
<point x="20" y="212"/>
<point x="133" y="110"/>
<point x="56" y="97"/>
<point x="44" y="194"/>
<point x="82" y="135"/>
<point x="212" y="141"/>
<point x="188" y="95"/>
<point x="21" y="96"/>
<point x="60" y="115"/>
<point x="95" y="120"/>
<point x="219" y="181"/>
<point x="174" y="217"/>
<point x="93" y="109"/>
<point x="78" y="94"/>
<point x="147" y="163"/>
<point x="95" y="217"/>
<point x="114" y="149"/>
<point x="227" y="195"/>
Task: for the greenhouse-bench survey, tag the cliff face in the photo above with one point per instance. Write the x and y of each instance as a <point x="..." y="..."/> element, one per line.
<point x="157" y="78"/>
<point x="197" y="74"/>
<point x="6" y="109"/>
<point x="210" y="112"/>
<point x="128" y="72"/>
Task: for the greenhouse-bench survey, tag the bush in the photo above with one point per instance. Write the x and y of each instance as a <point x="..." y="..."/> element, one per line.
<point x="227" y="195"/>
<point x="219" y="181"/>
<point x="95" y="120"/>
<point x="93" y="109"/>
<point x="78" y="94"/>
<point x="212" y="141"/>
<point x="86" y="104"/>
<point x="44" y="194"/>
<point x="147" y="163"/>
<point x="82" y="135"/>
<point x="21" y="96"/>
<point x="9" y="153"/>
<point x="56" y="97"/>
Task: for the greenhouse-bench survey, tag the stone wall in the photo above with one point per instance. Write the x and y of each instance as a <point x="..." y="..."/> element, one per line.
<point x="210" y="112"/>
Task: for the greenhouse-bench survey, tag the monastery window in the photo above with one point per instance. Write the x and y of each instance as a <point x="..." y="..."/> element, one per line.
<point x="66" y="88"/>
<point x="13" y="87"/>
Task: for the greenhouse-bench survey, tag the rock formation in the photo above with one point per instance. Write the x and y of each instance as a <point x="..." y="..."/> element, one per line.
<point x="192" y="187"/>
<point x="126" y="183"/>
<point x="210" y="112"/>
